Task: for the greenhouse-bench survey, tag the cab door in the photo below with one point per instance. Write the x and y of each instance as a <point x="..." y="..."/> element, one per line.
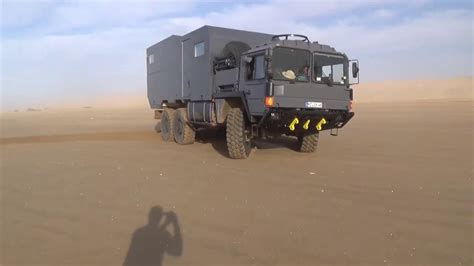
<point x="254" y="81"/>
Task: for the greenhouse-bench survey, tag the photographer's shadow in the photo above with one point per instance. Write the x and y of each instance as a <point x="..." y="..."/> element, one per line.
<point x="150" y="242"/>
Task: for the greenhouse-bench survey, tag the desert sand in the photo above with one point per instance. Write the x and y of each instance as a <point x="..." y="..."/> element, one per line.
<point x="394" y="188"/>
<point x="415" y="90"/>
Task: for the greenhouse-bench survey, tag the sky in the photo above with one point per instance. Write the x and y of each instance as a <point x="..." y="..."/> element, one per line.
<point x="66" y="51"/>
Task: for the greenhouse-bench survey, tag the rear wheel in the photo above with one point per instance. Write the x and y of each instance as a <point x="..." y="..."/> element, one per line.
<point x="308" y="143"/>
<point x="167" y="124"/>
<point x="237" y="137"/>
<point x="183" y="132"/>
<point x="158" y="127"/>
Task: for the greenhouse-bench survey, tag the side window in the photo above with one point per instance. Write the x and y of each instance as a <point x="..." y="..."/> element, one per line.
<point x="338" y="74"/>
<point x="329" y="68"/>
<point x="256" y="68"/>
<point x="322" y="72"/>
<point x="327" y="72"/>
<point x="259" y="71"/>
<point x="199" y="49"/>
<point x="151" y="59"/>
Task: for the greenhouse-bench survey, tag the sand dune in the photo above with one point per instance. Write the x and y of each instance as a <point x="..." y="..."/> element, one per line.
<point x="415" y="90"/>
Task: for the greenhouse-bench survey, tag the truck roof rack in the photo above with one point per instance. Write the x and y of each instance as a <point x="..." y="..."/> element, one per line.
<point x="285" y="36"/>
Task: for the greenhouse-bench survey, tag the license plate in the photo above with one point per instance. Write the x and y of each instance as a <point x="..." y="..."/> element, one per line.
<point x="314" y="105"/>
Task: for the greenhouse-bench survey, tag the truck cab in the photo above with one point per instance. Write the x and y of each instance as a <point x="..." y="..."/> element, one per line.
<point x="298" y="83"/>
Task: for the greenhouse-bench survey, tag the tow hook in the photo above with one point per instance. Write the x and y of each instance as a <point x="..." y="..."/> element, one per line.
<point x="306" y="124"/>
<point x="293" y="123"/>
<point x="322" y="122"/>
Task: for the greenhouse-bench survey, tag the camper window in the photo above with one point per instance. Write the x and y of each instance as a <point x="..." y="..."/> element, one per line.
<point x="199" y="49"/>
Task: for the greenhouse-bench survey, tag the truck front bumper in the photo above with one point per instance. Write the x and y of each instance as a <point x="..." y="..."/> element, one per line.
<point x="304" y="121"/>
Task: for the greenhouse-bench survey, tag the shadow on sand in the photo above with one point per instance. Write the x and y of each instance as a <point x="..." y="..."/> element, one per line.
<point x="216" y="137"/>
<point x="151" y="242"/>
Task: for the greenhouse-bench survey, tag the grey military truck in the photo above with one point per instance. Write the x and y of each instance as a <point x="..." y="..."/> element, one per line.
<point x="252" y="84"/>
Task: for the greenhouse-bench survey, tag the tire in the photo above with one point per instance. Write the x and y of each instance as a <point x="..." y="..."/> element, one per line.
<point x="308" y="143"/>
<point x="167" y="124"/>
<point x="238" y="142"/>
<point x="183" y="132"/>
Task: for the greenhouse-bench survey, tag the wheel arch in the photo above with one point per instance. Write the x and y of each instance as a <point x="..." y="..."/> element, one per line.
<point x="224" y="103"/>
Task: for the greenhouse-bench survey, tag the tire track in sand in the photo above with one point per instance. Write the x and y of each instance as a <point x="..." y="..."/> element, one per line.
<point x="106" y="136"/>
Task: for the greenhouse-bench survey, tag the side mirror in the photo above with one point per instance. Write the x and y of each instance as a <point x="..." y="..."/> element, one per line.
<point x="355" y="69"/>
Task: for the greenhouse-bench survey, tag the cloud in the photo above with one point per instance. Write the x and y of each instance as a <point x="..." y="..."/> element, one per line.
<point x="20" y="13"/>
<point x="106" y="14"/>
<point x="434" y="36"/>
<point x="86" y="15"/>
<point x="53" y="67"/>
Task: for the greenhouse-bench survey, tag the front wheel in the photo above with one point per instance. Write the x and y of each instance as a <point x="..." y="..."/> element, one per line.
<point x="237" y="137"/>
<point x="308" y="143"/>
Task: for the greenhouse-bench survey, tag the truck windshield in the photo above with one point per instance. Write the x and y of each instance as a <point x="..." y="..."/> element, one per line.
<point x="291" y="64"/>
<point x="329" y="69"/>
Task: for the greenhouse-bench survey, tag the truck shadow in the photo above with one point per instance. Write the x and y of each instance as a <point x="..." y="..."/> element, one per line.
<point x="217" y="139"/>
<point x="152" y="241"/>
<point x="276" y="143"/>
